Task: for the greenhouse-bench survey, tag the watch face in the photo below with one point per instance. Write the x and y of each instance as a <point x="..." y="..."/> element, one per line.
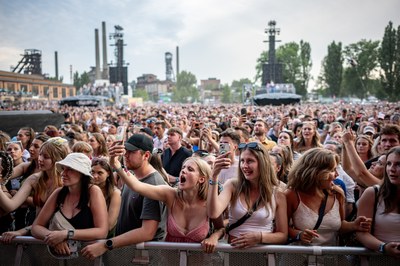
<point x="109" y="244"/>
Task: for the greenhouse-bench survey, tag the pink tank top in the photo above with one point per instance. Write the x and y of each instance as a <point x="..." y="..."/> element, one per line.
<point x="175" y="232"/>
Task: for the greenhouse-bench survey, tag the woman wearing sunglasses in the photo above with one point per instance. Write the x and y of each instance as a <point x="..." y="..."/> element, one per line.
<point x="253" y="194"/>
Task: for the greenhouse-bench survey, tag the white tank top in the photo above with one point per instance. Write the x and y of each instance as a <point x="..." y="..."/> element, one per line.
<point x="387" y="225"/>
<point x="261" y="220"/>
<point x="305" y="218"/>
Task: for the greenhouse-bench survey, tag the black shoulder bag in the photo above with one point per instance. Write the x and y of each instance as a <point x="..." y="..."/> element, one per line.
<point x="321" y="211"/>
<point x="239" y="222"/>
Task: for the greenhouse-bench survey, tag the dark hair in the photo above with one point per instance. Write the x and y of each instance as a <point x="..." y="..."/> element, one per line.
<point x="391" y="130"/>
<point x="110" y="181"/>
<point x="43" y="138"/>
<point x="85" y="194"/>
<point x="231" y="133"/>
<point x="30" y="133"/>
<point x="388" y="191"/>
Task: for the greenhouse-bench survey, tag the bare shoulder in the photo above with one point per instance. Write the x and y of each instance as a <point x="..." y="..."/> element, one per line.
<point x="116" y="192"/>
<point x="93" y="190"/>
<point x="280" y="197"/>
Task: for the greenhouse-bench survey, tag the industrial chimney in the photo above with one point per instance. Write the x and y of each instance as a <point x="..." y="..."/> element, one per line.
<point x="105" y="65"/>
<point x="56" y="63"/>
<point x="96" y="40"/>
<point x="177" y="62"/>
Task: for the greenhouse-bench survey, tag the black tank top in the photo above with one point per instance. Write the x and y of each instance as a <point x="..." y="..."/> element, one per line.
<point x="82" y="220"/>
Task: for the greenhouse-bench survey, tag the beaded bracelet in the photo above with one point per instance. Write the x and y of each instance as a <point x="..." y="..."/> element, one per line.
<point x="118" y="169"/>
<point x="212" y="182"/>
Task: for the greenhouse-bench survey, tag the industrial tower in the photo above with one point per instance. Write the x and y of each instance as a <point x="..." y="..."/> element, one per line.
<point x="119" y="71"/>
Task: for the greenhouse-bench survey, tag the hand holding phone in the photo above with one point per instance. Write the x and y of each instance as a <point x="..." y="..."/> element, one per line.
<point x="120" y="136"/>
<point x="224" y="148"/>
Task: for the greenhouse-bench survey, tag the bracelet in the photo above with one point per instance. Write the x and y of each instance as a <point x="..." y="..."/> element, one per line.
<point x="118" y="169"/>
<point x="298" y="236"/>
<point x="212" y="182"/>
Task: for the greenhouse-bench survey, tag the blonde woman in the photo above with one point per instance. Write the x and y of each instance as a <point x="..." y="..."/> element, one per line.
<point x="255" y="191"/>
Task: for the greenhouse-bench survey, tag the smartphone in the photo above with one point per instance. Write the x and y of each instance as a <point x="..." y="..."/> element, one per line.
<point x="120" y="136"/>
<point x="349" y="124"/>
<point x="243" y="111"/>
<point x="224" y="148"/>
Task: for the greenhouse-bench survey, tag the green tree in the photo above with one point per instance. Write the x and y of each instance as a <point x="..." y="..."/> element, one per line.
<point x="305" y="67"/>
<point x="333" y="69"/>
<point x="141" y="93"/>
<point x="237" y="88"/>
<point x="263" y="59"/>
<point x="362" y="58"/>
<point x="226" y="94"/>
<point x="80" y="80"/>
<point x="296" y="61"/>
<point x="186" y="90"/>
<point x="390" y="63"/>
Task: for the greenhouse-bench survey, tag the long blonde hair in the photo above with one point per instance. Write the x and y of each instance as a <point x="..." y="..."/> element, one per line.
<point x="57" y="149"/>
<point x="266" y="182"/>
<point x="205" y="171"/>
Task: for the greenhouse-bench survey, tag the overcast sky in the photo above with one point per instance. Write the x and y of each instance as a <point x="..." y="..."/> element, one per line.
<point x="216" y="38"/>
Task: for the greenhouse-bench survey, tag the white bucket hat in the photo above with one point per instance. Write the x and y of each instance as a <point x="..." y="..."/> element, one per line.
<point x="77" y="161"/>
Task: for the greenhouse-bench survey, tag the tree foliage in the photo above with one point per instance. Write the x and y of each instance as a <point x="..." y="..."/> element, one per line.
<point x="333" y="69"/>
<point x="141" y="93"/>
<point x="186" y="90"/>
<point x="226" y="94"/>
<point x="80" y="80"/>
<point x="237" y="88"/>
<point x="296" y="60"/>
<point x="362" y="63"/>
<point x="390" y="63"/>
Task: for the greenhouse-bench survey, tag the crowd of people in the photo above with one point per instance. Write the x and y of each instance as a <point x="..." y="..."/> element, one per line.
<point x="246" y="175"/>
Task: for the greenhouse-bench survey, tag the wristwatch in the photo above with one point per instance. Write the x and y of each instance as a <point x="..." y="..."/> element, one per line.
<point x="382" y="248"/>
<point x="109" y="244"/>
<point x="71" y="233"/>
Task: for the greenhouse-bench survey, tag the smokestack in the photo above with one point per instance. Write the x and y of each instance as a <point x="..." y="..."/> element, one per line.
<point x="177" y="62"/>
<point x="96" y="40"/>
<point x="56" y="63"/>
<point x="105" y="65"/>
<point x="70" y="75"/>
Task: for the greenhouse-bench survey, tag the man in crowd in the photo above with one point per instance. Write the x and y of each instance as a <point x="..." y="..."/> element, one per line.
<point x="160" y="136"/>
<point x="260" y="131"/>
<point x="174" y="156"/>
<point x="232" y="139"/>
<point x="140" y="219"/>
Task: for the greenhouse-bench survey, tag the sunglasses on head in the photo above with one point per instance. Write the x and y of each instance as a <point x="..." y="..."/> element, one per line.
<point x="251" y="145"/>
<point x="202" y="153"/>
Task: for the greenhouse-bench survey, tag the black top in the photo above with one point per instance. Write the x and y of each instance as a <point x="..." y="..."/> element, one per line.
<point x="82" y="220"/>
<point x="173" y="163"/>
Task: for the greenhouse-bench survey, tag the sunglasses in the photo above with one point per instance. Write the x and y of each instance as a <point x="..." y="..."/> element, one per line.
<point x="202" y="153"/>
<point x="251" y="145"/>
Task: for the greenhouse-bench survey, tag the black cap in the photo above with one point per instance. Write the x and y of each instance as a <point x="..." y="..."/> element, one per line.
<point x="139" y="142"/>
<point x="148" y="131"/>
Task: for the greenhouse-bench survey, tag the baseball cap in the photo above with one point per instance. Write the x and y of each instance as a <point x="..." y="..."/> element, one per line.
<point x="369" y="129"/>
<point x="148" y="131"/>
<point x="139" y="142"/>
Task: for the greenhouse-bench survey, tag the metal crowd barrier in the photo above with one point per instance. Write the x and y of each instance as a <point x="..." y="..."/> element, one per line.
<point x="30" y="251"/>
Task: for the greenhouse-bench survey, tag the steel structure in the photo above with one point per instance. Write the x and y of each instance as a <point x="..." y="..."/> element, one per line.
<point x="119" y="71"/>
<point x="168" y="66"/>
<point x="31" y="63"/>
<point x="272" y="72"/>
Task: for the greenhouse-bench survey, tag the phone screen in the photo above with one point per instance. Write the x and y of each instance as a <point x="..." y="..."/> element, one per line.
<point x="120" y="133"/>
<point x="243" y="111"/>
<point x="224" y="148"/>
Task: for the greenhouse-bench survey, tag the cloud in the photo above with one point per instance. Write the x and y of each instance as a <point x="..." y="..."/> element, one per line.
<point x="217" y="38"/>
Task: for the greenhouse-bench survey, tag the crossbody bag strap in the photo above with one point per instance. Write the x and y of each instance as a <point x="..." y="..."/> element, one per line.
<point x="239" y="222"/>
<point x="375" y="207"/>
<point x="321" y="211"/>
